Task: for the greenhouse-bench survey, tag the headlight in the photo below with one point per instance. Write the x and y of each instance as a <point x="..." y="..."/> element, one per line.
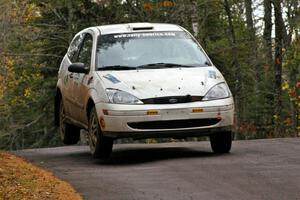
<point x="121" y="97"/>
<point x="219" y="91"/>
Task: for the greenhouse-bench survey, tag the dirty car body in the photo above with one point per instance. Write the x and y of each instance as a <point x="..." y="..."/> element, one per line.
<point x="141" y="80"/>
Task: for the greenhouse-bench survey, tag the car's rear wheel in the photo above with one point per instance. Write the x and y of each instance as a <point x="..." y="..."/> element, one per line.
<point x="100" y="146"/>
<point x="69" y="133"/>
<point x="221" y="142"/>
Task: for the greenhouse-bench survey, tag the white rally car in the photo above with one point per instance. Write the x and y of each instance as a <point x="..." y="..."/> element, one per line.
<point x="141" y="80"/>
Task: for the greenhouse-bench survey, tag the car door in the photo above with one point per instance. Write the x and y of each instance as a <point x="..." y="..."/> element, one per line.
<point x="68" y="83"/>
<point x="81" y="81"/>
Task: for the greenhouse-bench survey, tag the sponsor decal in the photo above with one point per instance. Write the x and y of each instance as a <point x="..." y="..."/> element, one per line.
<point x="112" y="78"/>
<point x="141" y="35"/>
<point x="212" y="74"/>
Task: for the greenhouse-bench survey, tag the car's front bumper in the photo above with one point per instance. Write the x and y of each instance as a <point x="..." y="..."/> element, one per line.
<point x="167" y="120"/>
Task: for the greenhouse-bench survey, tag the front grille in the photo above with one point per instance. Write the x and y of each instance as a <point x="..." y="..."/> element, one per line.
<point x="174" y="124"/>
<point x="172" y="99"/>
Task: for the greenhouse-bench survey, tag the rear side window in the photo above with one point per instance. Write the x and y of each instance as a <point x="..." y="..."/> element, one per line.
<point x="74" y="48"/>
<point x="86" y="50"/>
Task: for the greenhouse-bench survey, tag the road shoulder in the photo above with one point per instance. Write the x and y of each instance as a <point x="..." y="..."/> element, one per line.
<point x="20" y="179"/>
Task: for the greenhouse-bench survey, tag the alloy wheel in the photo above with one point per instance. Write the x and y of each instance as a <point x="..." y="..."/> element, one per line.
<point x="93" y="132"/>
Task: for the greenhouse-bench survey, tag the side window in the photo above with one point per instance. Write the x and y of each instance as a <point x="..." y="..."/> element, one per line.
<point x="86" y="51"/>
<point x="74" y="48"/>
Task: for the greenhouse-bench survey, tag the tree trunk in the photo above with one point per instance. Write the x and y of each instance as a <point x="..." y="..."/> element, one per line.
<point x="268" y="30"/>
<point x="279" y="42"/>
<point x="268" y="98"/>
<point x="292" y="6"/>
<point x="253" y="57"/>
<point x="235" y="64"/>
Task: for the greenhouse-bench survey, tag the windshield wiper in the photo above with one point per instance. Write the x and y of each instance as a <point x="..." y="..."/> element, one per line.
<point x="117" y="67"/>
<point x="162" y="65"/>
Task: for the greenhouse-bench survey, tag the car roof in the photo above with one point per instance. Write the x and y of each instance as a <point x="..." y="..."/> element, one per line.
<point x="137" y="27"/>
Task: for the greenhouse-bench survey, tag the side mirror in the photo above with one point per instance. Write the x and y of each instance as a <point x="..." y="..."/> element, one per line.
<point x="78" y="68"/>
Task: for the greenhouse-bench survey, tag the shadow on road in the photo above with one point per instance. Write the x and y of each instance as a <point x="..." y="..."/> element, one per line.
<point x="144" y="155"/>
<point x="128" y="155"/>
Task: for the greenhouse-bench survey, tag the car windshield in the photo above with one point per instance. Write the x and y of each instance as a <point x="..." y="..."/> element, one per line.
<point x="148" y="49"/>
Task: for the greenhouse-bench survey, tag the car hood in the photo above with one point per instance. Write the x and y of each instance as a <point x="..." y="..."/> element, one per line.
<point x="150" y="83"/>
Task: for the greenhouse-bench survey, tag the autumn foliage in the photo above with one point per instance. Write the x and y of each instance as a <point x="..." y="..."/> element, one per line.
<point x="21" y="180"/>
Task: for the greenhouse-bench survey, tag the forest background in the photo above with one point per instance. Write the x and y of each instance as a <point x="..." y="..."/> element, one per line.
<point x="254" y="43"/>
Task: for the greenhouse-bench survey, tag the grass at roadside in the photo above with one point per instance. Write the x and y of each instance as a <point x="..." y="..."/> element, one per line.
<point x="20" y="179"/>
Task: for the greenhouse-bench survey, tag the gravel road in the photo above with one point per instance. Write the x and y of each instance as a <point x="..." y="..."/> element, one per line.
<point x="256" y="169"/>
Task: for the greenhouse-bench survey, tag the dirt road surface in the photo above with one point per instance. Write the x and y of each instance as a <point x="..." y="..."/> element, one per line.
<point x="256" y="169"/>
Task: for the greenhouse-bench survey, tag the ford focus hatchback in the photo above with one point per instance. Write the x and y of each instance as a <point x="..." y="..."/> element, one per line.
<point x="139" y="81"/>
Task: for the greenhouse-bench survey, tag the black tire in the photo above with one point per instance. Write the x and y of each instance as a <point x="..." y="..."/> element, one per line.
<point x="100" y="146"/>
<point x="69" y="133"/>
<point x="221" y="142"/>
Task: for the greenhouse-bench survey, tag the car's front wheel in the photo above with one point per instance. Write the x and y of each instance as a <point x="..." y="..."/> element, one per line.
<point x="221" y="142"/>
<point x="69" y="133"/>
<point x="100" y="146"/>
